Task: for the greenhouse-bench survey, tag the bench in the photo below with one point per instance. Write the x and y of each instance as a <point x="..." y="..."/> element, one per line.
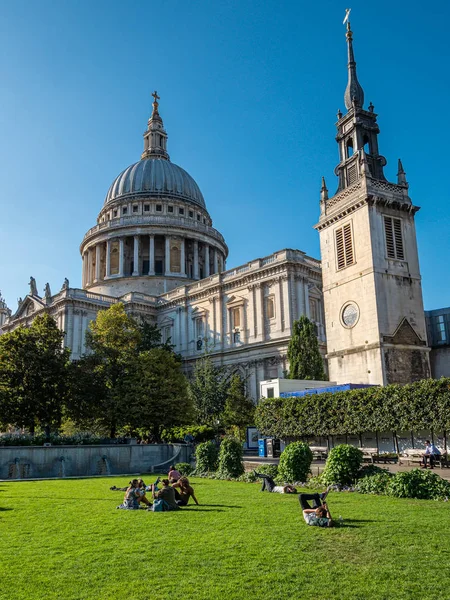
<point x="415" y="455"/>
<point x="319" y="452"/>
<point x="369" y="454"/>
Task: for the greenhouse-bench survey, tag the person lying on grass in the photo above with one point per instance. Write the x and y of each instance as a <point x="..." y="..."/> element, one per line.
<point x="167" y="494"/>
<point x="130" y="502"/>
<point x="186" y="491"/>
<point x="148" y="488"/>
<point x="318" y="514"/>
<point x="270" y="485"/>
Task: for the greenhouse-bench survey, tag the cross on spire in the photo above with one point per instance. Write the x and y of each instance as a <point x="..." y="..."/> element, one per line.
<point x="155" y="96"/>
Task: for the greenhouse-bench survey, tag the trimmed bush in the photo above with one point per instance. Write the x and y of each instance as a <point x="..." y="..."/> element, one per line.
<point x="271" y="470"/>
<point x="295" y="462"/>
<point x="184" y="468"/>
<point x="369" y="470"/>
<point x="420" y="484"/>
<point x="207" y="457"/>
<point x="230" y="458"/>
<point x="342" y="466"/>
<point x="375" y="484"/>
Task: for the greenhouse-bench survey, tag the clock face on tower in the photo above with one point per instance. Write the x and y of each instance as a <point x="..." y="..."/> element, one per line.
<point x="349" y="315"/>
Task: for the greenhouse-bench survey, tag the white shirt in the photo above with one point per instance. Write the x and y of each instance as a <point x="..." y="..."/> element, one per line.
<point x="431" y="449"/>
<point x="278" y="489"/>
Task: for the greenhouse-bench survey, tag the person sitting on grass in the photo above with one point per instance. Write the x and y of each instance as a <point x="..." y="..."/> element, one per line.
<point x="141" y="493"/>
<point x="173" y="475"/>
<point x="130" y="502"/>
<point x="318" y="514"/>
<point x="431" y="453"/>
<point x="270" y="485"/>
<point x="186" y="492"/>
<point x="167" y="494"/>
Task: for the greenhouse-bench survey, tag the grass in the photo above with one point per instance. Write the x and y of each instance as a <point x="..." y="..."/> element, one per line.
<point x="66" y="540"/>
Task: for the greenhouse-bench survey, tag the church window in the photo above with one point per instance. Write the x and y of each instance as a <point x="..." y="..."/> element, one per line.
<point x="236" y="317"/>
<point x="159" y="208"/>
<point x="135" y="208"/>
<point x="124" y="210"/>
<point x="115" y="213"/>
<point x="352" y="174"/>
<point x="170" y="209"/>
<point x="191" y="214"/>
<point x="344" y="246"/>
<point x="198" y="328"/>
<point x="198" y="217"/>
<point x="270" y="307"/>
<point x="166" y="334"/>
<point x="175" y="259"/>
<point x="181" y="211"/>
<point x="146" y="207"/>
<point x="204" y="220"/>
<point x="270" y="392"/>
<point x="394" y="239"/>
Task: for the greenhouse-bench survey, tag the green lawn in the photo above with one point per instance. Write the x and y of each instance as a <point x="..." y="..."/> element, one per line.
<point x="66" y="540"/>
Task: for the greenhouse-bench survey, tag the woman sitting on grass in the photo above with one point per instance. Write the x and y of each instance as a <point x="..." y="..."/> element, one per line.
<point x="141" y="493"/>
<point x="270" y="485"/>
<point x="186" y="491"/>
<point x="131" y="502"/>
<point x="173" y="475"/>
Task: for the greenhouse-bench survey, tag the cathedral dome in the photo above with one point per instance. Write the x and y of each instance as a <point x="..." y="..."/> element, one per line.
<point x="156" y="177"/>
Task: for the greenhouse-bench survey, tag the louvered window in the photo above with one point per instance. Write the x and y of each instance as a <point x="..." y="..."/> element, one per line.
<point x="344" y="246"/>
<point x="394" y="239"/>
<point x="352" y="174"/>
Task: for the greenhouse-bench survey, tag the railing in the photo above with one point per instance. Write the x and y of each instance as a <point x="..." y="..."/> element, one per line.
<point x="155" y="220"/>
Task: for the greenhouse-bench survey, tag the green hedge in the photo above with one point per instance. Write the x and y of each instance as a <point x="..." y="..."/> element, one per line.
<point x="200" y="433"/>
<point x="421" y="405"/>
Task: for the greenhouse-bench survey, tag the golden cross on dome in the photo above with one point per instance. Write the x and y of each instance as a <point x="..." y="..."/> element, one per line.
<point x="156" y="97"/>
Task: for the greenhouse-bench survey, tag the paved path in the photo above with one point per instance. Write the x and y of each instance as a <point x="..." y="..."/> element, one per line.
<point x="253" y="462"/>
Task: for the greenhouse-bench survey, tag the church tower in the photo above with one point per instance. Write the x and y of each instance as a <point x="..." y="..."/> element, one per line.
<point x="373" y="303"/>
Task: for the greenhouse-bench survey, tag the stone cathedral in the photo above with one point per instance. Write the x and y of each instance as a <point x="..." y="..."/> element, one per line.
<point x="154" y="248"/>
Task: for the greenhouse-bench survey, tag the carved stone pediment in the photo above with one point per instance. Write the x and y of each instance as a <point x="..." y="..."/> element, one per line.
<point x="30" y="305"/>
<point x="404" y="334"/>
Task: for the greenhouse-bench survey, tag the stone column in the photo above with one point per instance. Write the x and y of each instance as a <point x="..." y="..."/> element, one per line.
<point x="216" y="261"/>
<point x="136" y="256"/>
<point x="108" y="259"/>
<point x="260" y="324"/>
<point x="83" y="270"/>
<point x="196" y="275"/>
<point x="183" y="257"/>
<point x="167" y="257"/>
<point x="287" y="306"/>
<point x="306" y="291"/>
<point x="121" y="256"/>
<point x="300" y="298"/>
<point x="279" y="304"/>
<point x="97" y="262"/>
<point x="206" y="260"/>
<point x="151" y="254"/>
<point x="89" y="267"/>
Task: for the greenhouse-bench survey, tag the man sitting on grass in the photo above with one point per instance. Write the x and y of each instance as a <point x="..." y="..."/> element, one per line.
<point x="270" y="485"/>
<point x="318" y="514"/>
<point x="167" y="494"/>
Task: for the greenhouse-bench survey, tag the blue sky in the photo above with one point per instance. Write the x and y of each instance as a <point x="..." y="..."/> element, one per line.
<point x="249" y="95"/>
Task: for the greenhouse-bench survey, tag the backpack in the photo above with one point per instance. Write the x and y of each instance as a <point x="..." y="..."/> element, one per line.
<point x="159" y="505"/>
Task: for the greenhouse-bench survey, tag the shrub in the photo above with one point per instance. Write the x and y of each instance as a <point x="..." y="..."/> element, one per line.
<point x="420" y="484"/>
<point x="377" y="483"/>
<point x="342" y="466"/>
<point x="184" y="468"/>
<point x="200" y="433"/>
<point x="369" y="470"/>
<point x="271" y="470"/>
<point x="230" y="458"/>
<point x="295" y="462"/>
<point x="207" y="457"/>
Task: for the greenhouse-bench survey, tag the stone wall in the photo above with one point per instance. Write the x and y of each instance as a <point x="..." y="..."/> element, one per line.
<point x="23" y="462"/>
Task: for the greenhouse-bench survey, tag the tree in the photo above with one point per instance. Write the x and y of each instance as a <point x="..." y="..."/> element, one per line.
<point x="158" y="391"/>
<point x="33" y="375"/>
<point x="208" y="390"/>
<point x="305" y="360"/>
<point x="239" y="409"/>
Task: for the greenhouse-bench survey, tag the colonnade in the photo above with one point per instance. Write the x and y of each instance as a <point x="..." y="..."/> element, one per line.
<point x="148" y="255"/>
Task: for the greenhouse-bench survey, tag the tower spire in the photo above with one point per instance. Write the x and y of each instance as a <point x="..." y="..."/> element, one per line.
<point x="155" y="138"/>
<point x="354" y="92"/>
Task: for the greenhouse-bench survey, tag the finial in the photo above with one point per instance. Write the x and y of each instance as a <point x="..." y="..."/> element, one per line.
<point x="401" y="175"/>
<point x="354" y="92"/>
<point x="155" y="103"/>
<point x="323" y="191"/>
<point x="364" y="170"/>
<point x="371" y="107"/>
<point x="339" y="114"/>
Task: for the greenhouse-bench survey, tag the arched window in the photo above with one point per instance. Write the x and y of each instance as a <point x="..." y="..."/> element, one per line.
<point x="366" y="144"/>
<point x="349" y="147"/>
<point x="175" y="259"/>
